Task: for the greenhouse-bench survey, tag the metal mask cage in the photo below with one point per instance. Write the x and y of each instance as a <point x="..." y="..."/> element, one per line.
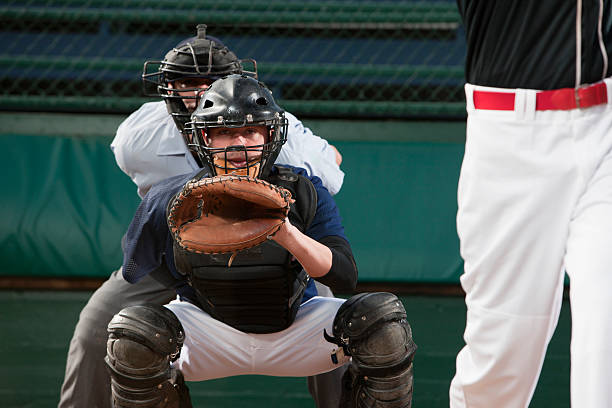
<point x="269" y="150"/>
<point x="157" y="74"/>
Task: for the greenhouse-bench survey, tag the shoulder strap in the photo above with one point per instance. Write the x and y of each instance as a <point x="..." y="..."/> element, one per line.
<point x="300" y="186"/>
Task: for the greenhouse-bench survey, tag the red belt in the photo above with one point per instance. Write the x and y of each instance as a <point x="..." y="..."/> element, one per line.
<point x="556" y="99"/>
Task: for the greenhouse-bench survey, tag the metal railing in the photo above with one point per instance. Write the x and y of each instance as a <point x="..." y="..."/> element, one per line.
<point x="399" y="59"/>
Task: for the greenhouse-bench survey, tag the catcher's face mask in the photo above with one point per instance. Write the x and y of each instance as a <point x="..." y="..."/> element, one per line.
<point x="237" y="150"/>
<point x="234" y="105"/>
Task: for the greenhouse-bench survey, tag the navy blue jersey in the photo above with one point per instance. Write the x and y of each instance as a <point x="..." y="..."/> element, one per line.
<point x="148" y="242"/>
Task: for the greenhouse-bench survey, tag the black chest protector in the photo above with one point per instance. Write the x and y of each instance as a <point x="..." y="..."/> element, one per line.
<point x="262" y="289"/>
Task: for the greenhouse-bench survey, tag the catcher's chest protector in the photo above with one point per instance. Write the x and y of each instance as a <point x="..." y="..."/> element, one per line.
<point x="262" y="289"/>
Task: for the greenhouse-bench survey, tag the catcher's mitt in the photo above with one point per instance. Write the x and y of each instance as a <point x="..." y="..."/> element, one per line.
<point x="227" y="213"/>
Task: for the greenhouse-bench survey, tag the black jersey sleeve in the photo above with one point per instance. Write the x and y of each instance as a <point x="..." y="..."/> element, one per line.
<point x="342" y="276"/>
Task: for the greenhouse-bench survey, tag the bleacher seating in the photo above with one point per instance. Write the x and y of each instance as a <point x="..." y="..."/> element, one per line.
<point x="321" y="58"/>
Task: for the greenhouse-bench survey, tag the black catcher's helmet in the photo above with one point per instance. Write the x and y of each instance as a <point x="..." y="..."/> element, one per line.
<point x="196" y="57"/>
<point x="232" y="102"/>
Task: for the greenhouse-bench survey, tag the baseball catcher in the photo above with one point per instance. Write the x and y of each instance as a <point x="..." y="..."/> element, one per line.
<point x="246" y="239"/>
<point x="150" y="146"/>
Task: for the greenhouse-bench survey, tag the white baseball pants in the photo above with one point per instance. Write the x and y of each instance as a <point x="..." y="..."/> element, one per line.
<point x="213" y="349"/>
<point x="535" y="200"/>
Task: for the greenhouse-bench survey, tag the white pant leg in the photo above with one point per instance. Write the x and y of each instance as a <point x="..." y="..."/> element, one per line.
<point x="519" y="183"/>
<point x="589" y="265"/>
<point x="213" y="349"/>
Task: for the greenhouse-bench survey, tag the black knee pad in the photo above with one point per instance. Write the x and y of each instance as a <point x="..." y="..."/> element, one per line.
<point x="372" y="328"/>
<point x="142" y="342"/>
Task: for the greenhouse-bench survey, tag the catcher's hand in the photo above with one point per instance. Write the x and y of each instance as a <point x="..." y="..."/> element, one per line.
<point x="227" y="213"/>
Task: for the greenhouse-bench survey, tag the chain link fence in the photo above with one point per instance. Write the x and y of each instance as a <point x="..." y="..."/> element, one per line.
<point x="393" y="59"/>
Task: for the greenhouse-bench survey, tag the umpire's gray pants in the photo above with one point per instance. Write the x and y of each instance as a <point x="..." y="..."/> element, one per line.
<point x="87" y="382"/>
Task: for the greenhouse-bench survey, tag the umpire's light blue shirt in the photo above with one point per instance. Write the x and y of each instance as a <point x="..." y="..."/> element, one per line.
<point x="149" y="148"/>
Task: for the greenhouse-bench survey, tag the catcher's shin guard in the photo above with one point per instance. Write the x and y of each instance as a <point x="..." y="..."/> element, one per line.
<point x="372" y="328"/>
<point x="142" y="342"/>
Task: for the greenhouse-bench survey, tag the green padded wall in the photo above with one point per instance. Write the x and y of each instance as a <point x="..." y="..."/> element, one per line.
<point x="66" y="205"/>
<point x="398" y="203"/>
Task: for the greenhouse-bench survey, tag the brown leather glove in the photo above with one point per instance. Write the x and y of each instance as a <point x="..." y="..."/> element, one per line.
<point x="227" y="213"/>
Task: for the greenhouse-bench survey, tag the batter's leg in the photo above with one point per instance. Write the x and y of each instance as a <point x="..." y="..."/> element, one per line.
<point x="589" y="265"/>
<point x="86" y="380"/>
<point x="518" y="184"/>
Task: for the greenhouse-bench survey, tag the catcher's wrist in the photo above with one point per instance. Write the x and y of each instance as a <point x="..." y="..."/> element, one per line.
<point x="314" y="257"/>
<point x="285" y="234"/>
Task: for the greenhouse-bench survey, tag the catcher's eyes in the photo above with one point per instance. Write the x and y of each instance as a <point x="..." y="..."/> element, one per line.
<point x="243" y="132"/>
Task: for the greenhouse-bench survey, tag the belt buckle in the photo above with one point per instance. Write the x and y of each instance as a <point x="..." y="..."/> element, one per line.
<point x="591" y="95"/>
<point x="581" y="97"/>
<point x="562" y="99"/>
